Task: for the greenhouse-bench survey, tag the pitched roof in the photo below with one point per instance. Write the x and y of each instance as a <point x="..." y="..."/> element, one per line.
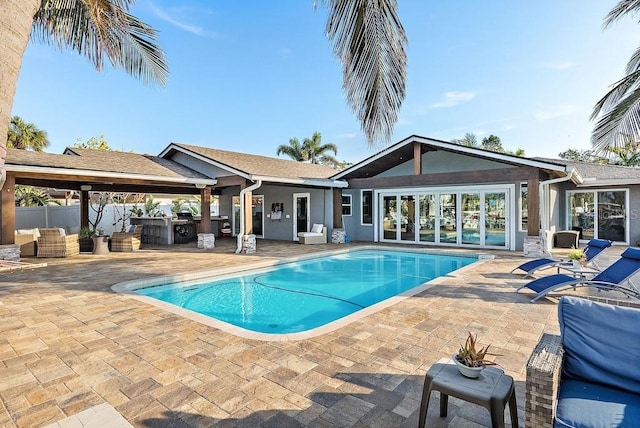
<point x="256" y="165"/>
<point x="591" y="172"/>
<point x="102" y="160"/>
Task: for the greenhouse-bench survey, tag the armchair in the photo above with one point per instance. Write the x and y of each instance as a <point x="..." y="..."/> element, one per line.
<point x="54" y="242"/>
<point x="127" y="241"/>
<point x="588" y="375"/>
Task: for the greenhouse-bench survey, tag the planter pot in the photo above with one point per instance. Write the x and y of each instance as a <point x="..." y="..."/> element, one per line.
<point x="470" y="372"/>
<point x="86" y="245"/>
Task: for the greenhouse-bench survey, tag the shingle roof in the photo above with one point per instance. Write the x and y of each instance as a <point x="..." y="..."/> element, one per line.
<point x="600" y="171"/>
<point x="262" y="165"/>
<point x="103" y="160"/>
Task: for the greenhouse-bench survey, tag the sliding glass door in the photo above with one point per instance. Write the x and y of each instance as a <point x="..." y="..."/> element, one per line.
<point x="601" y="214"/>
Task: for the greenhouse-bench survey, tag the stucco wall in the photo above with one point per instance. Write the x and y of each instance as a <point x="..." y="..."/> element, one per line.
<point x="200" y="166"/>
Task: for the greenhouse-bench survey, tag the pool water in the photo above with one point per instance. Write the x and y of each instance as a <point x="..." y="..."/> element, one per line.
<point x="299" y="296"/>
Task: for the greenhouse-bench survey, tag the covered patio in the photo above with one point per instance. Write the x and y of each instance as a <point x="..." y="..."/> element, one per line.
<point x="70" y="344"/>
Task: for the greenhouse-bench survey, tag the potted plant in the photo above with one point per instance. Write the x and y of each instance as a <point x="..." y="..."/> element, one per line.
<point x="578" y="258"/>
<point x="471" y="361"/>
<point x="85" y="239"/>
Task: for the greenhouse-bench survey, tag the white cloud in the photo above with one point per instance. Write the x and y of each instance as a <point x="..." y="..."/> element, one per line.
<point x="551" y="112"/>
<point x="451" y="99"/>
<point x="167" y="17"/>
<point x="559" y="65"/>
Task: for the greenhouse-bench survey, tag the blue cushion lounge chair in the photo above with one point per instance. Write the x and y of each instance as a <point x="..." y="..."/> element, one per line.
<point x="591" y="250"/>
<point x="609" y="279"/>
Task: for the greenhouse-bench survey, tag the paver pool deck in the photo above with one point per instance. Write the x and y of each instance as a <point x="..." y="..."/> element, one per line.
<point x="72" y="351"/>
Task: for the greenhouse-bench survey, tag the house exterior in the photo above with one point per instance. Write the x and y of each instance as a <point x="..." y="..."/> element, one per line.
<point x="426" y="191"/>
<point x="419" y="191"/>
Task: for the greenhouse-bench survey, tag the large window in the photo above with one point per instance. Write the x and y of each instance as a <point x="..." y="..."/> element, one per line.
<point x="601" y="214"/>
<point x="367" y="206"/>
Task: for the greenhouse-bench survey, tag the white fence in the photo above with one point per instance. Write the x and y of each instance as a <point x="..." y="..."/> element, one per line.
<point x="68" y="217"/>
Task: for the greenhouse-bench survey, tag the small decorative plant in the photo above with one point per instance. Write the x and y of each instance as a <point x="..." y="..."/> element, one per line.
<point x="469" y="356"/>
<point x="578" y="255"/>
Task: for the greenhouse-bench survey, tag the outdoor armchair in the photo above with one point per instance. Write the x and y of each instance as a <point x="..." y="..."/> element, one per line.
<point x="587" y="376"/>
<point x="127" y="241"/>
<point x="54" y="242"/>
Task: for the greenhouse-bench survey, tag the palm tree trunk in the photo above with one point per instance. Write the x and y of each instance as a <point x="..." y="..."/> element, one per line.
<point x="15" y="30"/>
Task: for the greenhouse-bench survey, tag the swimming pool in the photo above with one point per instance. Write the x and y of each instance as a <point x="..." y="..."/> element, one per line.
<point x="306" y="294"/>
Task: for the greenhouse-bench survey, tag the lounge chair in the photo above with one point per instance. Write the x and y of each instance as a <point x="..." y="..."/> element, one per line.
<point x="318" y="235"/>
<point x="610" y="278"/>
<point x="54" y="242"/>
<point x="592" y="249"/>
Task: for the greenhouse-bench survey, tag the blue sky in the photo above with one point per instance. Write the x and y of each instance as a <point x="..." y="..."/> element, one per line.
<point x="248" y="76"/>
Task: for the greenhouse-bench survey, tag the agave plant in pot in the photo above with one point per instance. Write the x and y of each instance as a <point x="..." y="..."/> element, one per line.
<point x="470" y="360"/>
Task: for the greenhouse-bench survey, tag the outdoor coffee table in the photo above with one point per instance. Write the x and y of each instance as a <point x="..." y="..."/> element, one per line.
<point x="493" y="389"/>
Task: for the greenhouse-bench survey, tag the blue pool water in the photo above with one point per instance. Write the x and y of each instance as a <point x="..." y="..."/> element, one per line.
<point x="302" y="295"/>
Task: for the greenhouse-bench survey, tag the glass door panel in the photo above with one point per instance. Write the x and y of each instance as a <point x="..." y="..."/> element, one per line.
<point x="448" y="212"/>
<point x="471" y="218"/>
<point x="612" y="219"/>
<point x="257" y="214"/>
<point x="408" y="218"/>
<point x="427" y="218"/>
<point x="581" y="210"/>
<point x="495" y="221"/>
<point x="389" y="217"/>
<point x="236" y="215"/>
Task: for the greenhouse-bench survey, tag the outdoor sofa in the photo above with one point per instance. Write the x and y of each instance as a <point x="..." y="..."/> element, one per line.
<point x="589" y="375"/>
<point x="318" y="235"/>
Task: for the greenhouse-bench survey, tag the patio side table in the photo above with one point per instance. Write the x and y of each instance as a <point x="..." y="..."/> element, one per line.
<point x="493" y="389"/>
<point x="100" y="244"/>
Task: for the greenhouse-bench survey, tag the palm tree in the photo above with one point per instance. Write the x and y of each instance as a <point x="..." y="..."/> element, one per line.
<point x="293" y="150"/>
<point x="619" y="110"/>
<point x="97" y="29"/>
<point x="311" y="150"/>
<point x="26" y="136"/>
<point x="28" y="196"/>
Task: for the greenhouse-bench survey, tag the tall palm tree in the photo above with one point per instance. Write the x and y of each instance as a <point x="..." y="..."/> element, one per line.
<point x="97" y="29"/>
<point x="293" y="150"/>
<point x="26" y="136"/>
<point x="618" y="112"/>
<point x="316" y="152"/>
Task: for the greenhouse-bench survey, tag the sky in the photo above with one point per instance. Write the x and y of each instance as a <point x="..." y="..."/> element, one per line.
<point x="248" y="76"/>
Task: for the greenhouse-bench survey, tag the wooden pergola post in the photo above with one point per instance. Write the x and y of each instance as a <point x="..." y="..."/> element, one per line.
<point x="205" y="210"/>
<point x="7" y="231"/>
<point x="417" y="159"/>
<point x="84" y="208"/>
<point x="337" y="208"/>
<point x="533" y="207"/>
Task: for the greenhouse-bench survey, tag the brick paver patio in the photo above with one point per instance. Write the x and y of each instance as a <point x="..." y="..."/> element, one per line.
<point x="68" y="343"/>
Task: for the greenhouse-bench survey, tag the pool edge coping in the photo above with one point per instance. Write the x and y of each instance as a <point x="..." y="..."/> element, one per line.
<point x="127" y="288"/>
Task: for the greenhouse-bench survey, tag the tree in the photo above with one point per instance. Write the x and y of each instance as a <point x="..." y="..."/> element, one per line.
<point x="469" y="140"/>
<point x="26" y="136"/>
<point x="97" y="29"/>
<point x="618" y="112"/>
<point x="493" y="143"/>
<point x="96" y="143"/>
<point x="29" y="196"/>
<point x="311" y="150"/>
<point x="582" y="156"/>
<point x="627" y="155"/>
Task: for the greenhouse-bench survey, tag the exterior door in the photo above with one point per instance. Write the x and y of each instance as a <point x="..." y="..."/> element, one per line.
<point x="301" y="220"/>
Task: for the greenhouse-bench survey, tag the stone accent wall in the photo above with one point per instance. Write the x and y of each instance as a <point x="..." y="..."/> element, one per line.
<point x="10" y="252"/>
<point x="206" y="240"/>
<point x="249" y="244"/>
<point x="533" y="247"/>
<point x="337" y="236"/>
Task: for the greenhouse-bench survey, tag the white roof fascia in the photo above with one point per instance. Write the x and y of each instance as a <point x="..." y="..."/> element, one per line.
<point x="458" y="148"/>
<point x="206" y="159"/>
<point x="609" y="182"/>
<point x="106" y="174"/>
<point x="306" y="181"/>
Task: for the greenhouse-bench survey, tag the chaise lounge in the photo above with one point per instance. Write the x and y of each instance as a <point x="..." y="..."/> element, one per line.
<point x="318" y="235"/>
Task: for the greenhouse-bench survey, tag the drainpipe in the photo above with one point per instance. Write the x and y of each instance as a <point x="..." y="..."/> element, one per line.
<point x="254" y="186"/>
<point x="544" y="218"/>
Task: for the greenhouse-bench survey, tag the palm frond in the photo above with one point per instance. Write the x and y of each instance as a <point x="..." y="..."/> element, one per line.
<point x="619" y="124"/>
<point x="621" y="9"/>
<point x="100" y="29"/>
<point x="617" y="92"/>
<point x="369" y="40"/>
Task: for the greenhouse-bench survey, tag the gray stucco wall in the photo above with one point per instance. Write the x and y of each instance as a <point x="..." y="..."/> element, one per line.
<point x="200" y="166"/>
<point x="355" y="230"/>
<point x="441" y="161"/>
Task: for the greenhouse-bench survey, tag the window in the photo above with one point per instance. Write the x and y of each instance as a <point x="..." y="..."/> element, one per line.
<point x="346" y="204"/>
<point x="599" y="214"/>
<point x="524" y="208"/>
<point x="367" y="208"/>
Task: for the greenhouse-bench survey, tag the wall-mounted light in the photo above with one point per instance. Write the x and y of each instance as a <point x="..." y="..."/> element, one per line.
<point x="85" y="187"/>
<point x="200" y="185"/>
